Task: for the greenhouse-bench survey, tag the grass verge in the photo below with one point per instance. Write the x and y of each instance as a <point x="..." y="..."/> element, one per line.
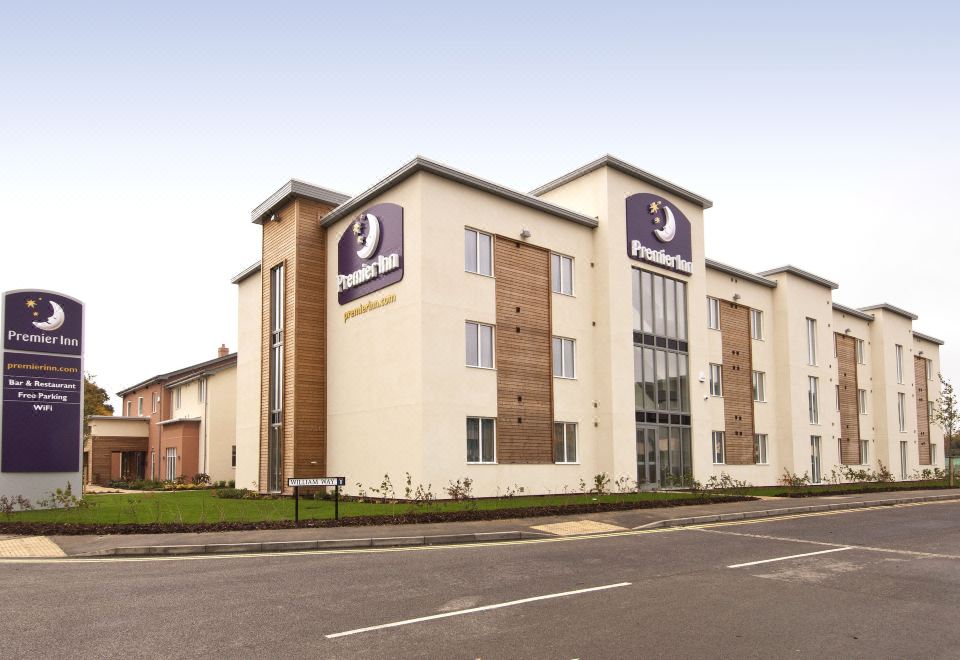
<point x="196" y="511"/>
<point x="843" y="489"/>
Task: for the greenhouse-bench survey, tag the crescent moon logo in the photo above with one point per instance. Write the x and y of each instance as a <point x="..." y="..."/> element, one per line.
<point x="55" y="321"/>
<point x="669" y="230"/>
<point x="372" y="240"/>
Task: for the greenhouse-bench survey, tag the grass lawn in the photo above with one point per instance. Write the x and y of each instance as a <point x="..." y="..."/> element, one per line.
<point x="200" y="506"/>
<point x="826" y="489"/>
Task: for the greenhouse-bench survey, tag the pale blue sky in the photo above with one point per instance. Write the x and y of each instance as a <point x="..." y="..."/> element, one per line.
<point x="136" y="139"/>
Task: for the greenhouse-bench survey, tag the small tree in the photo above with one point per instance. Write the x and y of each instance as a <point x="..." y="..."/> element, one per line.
<point x="946" y="414"/>
<point x="95" y="401"/>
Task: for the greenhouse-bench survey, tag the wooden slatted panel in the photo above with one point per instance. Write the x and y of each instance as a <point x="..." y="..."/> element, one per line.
<point x="923" y="413"/>
<point x="524" y="366"/>
<point x="849" y="403"/>
<point x="737" y="383"/>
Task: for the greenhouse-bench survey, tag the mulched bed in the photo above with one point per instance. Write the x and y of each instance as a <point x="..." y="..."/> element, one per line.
<point x="860" y="491"/>
<point x="62" y="528"/>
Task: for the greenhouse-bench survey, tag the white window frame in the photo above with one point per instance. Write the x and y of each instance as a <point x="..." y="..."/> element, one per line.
<point x="836" y="390"/>
<point x="864" y="452"/>
<point x="813" y="399"/>
<point x="478" y="336"/>
<point x="719" y="449"/>
<point x="759" y="386"/>
<point x="170" y="463"/>
<point x="756" y="324"/>
<point x="177" y="397"/>
<point x="861" y="351"/>
<point x="202" y="390"/>
<point x="156" y="402"/>
<point x="811" y="342"/>
<point x="476" y="245"/>
<point x="902" y="411"/>
<point x="760" y="447"/>
<point x="557" y="261"/>
<point x="933" y="454"/>
<point x="140" y="406"/>
<point x="566" y="427"/>
<point x="929" y="366"/>
<point x="713" y="313"/>
<point x="129" y="408"/>
<point x="233" y="456"/>
<point x="716" y="379"/>
<point x="898" y="359"/>
<point x="493" y="459"/>
<point x="862" y="401"/>
<point x="568" y="374"/>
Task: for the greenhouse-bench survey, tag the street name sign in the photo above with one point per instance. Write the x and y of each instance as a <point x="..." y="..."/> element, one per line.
<point x="294" y="482"/>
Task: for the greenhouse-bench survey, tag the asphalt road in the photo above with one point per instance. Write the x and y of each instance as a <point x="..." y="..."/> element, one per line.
<point x="884" y="583"/>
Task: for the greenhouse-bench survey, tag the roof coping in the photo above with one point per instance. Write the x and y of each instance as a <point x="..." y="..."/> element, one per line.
<point x="853" y="312"/>
<point x="291" y="189"/>
<point x="932" y="340"/>
<point x="245" y="273"/>
<point x="631" y="170"/>
<point x="736" y="272"/>
<point x="799" y="272"/>
<point x="891" y="308"/>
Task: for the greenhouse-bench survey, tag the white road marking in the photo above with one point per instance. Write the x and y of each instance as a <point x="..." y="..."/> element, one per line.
<point x="472" y="610"/>
<point x="805" y="554"/>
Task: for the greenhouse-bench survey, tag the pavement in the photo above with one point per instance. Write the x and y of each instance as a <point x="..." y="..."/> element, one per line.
<point x="868" y="582"/>
<point x="278" y="540"/>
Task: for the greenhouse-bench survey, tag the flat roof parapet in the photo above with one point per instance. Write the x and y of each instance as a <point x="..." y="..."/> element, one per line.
<point x="296" y="188"/>
<point x="891" y="308"/>
<point x="932" y="340"/>
<point x="799" y="272"/>
<point x="736" y="272"/>
<point x="853" y="312"/>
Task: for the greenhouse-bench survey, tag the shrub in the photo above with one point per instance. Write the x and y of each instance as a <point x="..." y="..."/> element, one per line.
<point x="63" y="498"/>
<point x="10" y="504"/>
<point x="884" y="475"/>
<point x="201" y="479"/>
<point x="793" y="480"/>
<point x="460" y="490"/>
<point x="232" y="493"/>
<point x="231" y="483"/>
<point x="601" y="484"/>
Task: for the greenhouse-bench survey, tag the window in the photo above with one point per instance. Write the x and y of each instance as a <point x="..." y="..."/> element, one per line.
<point x="834" y="344"/>
<point x="563" y="358"/>
<point x="659" y="307"/>
<point x="864" y="452"/>
<point x="862" y="401"/>
<point x="811" y="341"/>
<point x="129" y="408"/>
<point x="756" y="324"/>
<point x="759" y="386"/>
<point x="479" y="345"/>
<point x="814" y="459"/>
<point x="899" y="362"/>
<point x="202" y="390"/>
<point x="564" y="442"/>
<point x="716" y="380"/>
<point x="929" y="409"/>
<point x="176" y="398"/>
<point x="713" y="313"/>
<point x="860" y="351"/>
<point x="718" y="452"/>
<point x="813" y="399"/>
<point x="233" y="456"/>
<point x="760" y="448"/>
<point x="276" y="377"/>
<point x="561" y="274"/>
<point x="140" y="406"/>
<point x="902" y="411"/>
<point x="156" y="403"/>
<point x="477" y="252"/>
<point x="837" y="391"/>
<point x="929" y="364"/>
<point x="481" y="440"/>
<point x="933" y="454"/>
<point x="171" y="463"/>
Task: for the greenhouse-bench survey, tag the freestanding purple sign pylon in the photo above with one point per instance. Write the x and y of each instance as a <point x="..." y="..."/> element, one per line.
<point x="41" y="418"/>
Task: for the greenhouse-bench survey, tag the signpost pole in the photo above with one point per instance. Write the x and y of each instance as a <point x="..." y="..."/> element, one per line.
<point x="296" y="505"/>
<point x="336" y="502"/>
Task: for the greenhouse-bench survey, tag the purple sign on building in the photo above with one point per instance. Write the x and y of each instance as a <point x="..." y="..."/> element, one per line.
<point x="658" y="233"/>
<point x="370" y="252"/>
<point x="42" y="408"/>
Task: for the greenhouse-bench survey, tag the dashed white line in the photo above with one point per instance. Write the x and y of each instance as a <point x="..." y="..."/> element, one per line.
<point x="473" y="610"/>
<point x="805" y="554"/>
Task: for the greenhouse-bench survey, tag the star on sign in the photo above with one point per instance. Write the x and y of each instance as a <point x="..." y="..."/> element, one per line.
<point x="31" y="304"/>
<point x="357" y="227"/>
<point x="655" y="207"/>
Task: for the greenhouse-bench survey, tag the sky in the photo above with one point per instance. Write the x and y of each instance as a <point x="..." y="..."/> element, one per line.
<point x="135" y="138"/>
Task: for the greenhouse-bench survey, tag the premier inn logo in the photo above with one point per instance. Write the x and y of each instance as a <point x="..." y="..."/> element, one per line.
<point x="658" y="233"/>
<point x="370" y="252"/>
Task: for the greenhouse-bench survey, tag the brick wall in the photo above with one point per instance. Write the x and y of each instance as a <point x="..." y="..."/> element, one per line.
<point x="737" y="383"/>
<point x="523" y="353"/>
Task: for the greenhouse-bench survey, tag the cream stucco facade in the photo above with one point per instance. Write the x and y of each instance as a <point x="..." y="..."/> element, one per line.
<point x="399" y="392"/>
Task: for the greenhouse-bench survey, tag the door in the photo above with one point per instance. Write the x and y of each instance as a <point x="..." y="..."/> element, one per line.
<point x="647" y="457"/>
<point x="815" y="459"/>
<point x="171" y="463"/>
<point x="903" y="460"/>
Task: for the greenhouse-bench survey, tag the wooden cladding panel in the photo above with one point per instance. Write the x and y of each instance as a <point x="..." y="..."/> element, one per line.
<point x="849" y="403"/>
<point x="101" y="456"/>
<point x="523" y="347"/>
<point x="923" y="412"/>
<point x="737" y="383"/>
<point x="298" y="242"/>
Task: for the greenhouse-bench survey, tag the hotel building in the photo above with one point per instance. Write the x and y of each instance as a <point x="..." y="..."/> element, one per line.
<point x="449" y="327"/>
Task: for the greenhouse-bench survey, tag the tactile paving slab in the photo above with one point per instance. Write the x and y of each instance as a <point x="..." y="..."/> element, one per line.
<point x="30" y="546"/>
<point x="575" y="527"/>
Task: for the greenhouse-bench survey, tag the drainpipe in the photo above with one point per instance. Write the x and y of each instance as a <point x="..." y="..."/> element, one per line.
<point x="206" y="451"/>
